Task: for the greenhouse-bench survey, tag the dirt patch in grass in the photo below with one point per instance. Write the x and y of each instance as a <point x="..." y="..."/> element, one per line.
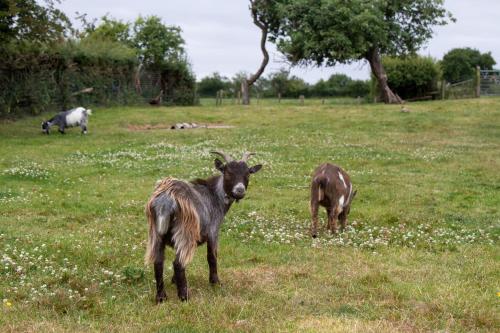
<point x="135" y="128"/>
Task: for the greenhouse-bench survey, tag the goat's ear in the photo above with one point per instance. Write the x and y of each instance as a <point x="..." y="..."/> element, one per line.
<point x="219" y="165"/>
<point x="255" y="168"/>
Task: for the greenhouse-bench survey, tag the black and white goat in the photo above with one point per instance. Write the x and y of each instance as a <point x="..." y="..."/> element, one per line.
<point x="184" y="215"/>
<point x="71" y="118"/>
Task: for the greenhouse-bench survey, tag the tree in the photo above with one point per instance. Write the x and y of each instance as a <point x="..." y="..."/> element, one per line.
<point x="327" y="32"/>
<point x="156" y="42"/>
<point x="210" y="85"/>
<point x="258" y="10"/>
<point x="459" y="64"/>
<point x="109" y="29"/>
<point x="28" y="20"/>
<point x="279" y="81"/>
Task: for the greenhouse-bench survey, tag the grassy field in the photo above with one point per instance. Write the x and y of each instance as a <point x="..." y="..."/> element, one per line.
<point x="421" y="254"/>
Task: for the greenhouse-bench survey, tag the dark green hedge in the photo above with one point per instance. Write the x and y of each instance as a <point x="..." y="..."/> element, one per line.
<point x="412" y="77"/>
<point x="36" y="78"/>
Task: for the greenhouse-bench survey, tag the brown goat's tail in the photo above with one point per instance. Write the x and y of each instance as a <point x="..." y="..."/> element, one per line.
<point x="187" y="229"/>
<point x="318" y="187"/>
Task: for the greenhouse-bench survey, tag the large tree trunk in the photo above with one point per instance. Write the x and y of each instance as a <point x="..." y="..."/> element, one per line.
<point x="263" y="26"/>
<point x="388" y="96"/>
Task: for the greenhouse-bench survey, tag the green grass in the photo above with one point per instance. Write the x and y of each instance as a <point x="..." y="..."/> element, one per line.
<point x="421" y="254"/>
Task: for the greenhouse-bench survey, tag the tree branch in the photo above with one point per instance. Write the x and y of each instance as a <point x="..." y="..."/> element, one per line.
<point x="263" y="26"/>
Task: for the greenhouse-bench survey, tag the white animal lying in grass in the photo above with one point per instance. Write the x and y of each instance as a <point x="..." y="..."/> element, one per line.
<point x="71" y="118"/>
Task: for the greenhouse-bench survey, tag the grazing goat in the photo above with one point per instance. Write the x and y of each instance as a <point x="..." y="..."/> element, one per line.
<point x="184" y="215"/>
<point x="157" y="100"/>
<point x="74" y="117"/>
<point x="331" y="188"/>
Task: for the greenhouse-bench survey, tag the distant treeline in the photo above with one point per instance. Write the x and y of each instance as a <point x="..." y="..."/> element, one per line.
<point x="411" y="77"/>
<point x="281" y="83"/>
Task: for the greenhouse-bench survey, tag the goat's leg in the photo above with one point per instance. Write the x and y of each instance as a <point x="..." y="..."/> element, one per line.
<point x="329" y="221"/>
<point x="173" y="275"/>
<point x="212" y="261"/>
<point x="332" y="220"/>
<point x="83" y="126"/>
<point x="180" y="280"/>
<point x="314" y="218"/>
<point x="343" y="220"/>
<point x="158" y="268"/>
<point x="61" y="129"/>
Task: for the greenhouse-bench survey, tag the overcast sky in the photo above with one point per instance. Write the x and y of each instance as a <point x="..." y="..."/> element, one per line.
<point x="220" y="36"/>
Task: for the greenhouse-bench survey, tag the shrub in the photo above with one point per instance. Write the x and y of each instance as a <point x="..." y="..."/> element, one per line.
<point x="411" y="77"/>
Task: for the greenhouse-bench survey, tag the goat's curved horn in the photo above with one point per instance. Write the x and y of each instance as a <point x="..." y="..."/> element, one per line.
<point x="246" y="156"/>
<point x="225" y="156"/>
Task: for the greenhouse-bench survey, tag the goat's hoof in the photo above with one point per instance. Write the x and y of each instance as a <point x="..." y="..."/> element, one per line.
<point x="214" y="281"/>
<point x="161" y="297"/>
<point x="314" y="235"/>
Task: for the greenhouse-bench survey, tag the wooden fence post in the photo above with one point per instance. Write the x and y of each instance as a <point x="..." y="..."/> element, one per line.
<point x="301" y="99"/>
<point x="279" y="97"/>
<point x="478" y="82"/>
<point x="443" y="89"/>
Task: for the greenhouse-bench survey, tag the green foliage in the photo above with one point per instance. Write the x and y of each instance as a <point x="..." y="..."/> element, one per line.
<point x="28" y="20"/>
<point x="279" y="81"/>
<point x="179" y="83"/>
<point x="156" y="42"/>
<point x="36" y="78"/>
<point x="337" y="31"/>
<point x="340" y="85"/>
<point x="42" y="70"/>
<point x="412" y="76"/>
<point x="460" y="64"/>
<point x="209" y="85"/>
<point x="159" y="49"/>
<point x="289" y="86"/>
<point x="109" y="29"/>
<point x="327" y="32"/>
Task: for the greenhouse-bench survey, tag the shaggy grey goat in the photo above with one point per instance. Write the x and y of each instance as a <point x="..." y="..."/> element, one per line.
<point x="184" y="215"/>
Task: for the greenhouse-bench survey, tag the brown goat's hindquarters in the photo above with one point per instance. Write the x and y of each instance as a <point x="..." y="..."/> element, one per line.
<point x="186" y="231"/>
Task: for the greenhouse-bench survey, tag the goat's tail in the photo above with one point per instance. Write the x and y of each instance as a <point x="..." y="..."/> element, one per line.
<point x="187" y="229"/>
<point x="318" y="187"/>
<point x="153" y="237"/>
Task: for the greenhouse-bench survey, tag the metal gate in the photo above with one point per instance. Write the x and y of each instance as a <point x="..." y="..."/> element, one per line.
<point x="490" y="82"/>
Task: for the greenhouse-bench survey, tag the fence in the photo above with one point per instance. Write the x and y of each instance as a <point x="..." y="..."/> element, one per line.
<point x="464" y="89"/>
<point x="489" y="82"/>
<point x="485" y="83"/>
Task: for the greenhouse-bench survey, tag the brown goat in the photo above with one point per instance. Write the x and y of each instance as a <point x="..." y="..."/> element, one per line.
<point x="331" y="188"/>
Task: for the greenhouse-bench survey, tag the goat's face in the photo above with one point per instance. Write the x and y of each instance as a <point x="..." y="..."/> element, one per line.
<point x="235" y="175"/>
<point x="45" y="127"/>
